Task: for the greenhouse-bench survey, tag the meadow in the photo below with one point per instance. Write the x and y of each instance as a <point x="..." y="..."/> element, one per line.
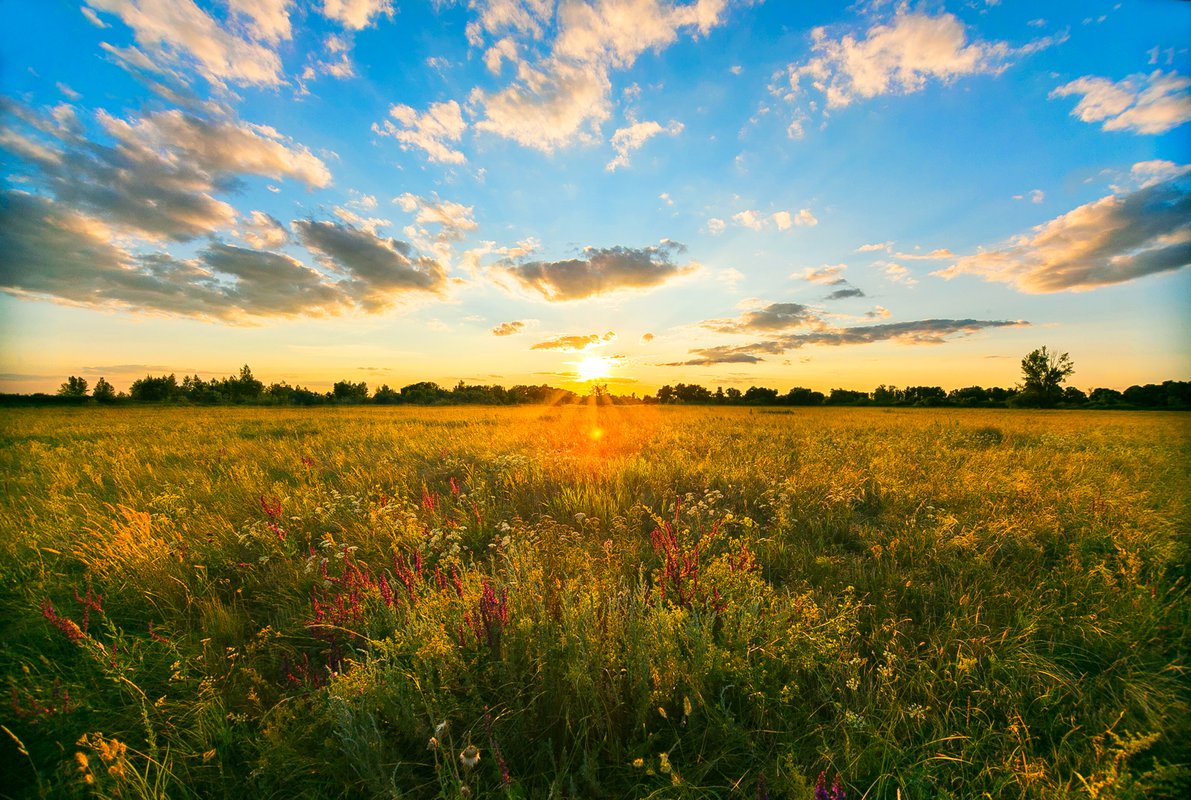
<point x="594" y="601"/>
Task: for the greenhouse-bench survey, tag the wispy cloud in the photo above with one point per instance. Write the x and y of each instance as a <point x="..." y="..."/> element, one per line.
<point x="773" y="317"/>
<point x="576" y="343"/>
<point x="1115" y="239"/>
<point x="631" y="138"/>
<point x="920" y="332"/>
<point x="1151" y="104"/>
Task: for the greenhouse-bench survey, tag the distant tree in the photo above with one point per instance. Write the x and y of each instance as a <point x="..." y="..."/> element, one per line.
<point x="733" y="395"/>
<point x="1043" y="374"/>
<point x="103" y="391"/>
<point x="385" y="396"/>
<point x="760" y="396"/>
<point x="348" y="392"/>
<point x="74" y="387"/>
<point x="802" y="396"/>
<point x="151" y="390"/>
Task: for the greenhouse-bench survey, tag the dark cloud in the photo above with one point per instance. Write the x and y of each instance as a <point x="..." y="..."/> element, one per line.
<point x="927" y="331"/>
<point x="47" y="249"/>
<point x="774" y="317"/>
<point x="159" y="176"/>
<point x="508" y="328"/>
<point x="575" y="343"/>
<point x="713" y="357"/>
<point x="380" y="269"/>
<point x="1115" y="239"/>
<point x="599" y="271"/>
<point x="843" y="294"/>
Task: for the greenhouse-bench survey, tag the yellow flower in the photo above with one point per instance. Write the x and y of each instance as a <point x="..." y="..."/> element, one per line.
<point x="470" y="756"/>
<point x="637" y="762"/>
<point x="664" y="763"/>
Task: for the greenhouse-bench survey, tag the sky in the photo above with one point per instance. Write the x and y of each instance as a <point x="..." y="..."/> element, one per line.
<point x="638" y="192"/>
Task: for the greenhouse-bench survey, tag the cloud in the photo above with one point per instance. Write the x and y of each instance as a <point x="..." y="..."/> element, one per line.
<point x="48" y="250"/>
<point x="547" y="110"/>
<point x="263" y="232"/>
<point x="1148" y="173"/>
<point x="829" y="274"/>
<point x="897" y="56"/>
<point x="626" y="140"/>
<point x="843" y="294"/>
<point x="716" y="226"/>
<point x="268" y="19"/>
<point x="934" y="255"/>
<point x="159" y="176"/>
<point x="179" y="33"/>
<point x="713" y="357"/>
<point x="773" y="317"/>
<point x="1036" y="196"/>
<point x="920" y="332"/>
<point x="646" y="338"/>
<point x="379" y="270"/>
<point x="431" y="131"/>
<point x="896" y="273"/>
<point x="576" y="343"/>
<point x="600" y="271"/>
<point x="564" y="95"/>
<point x="1112" y="240"/>
<point x="756" y="220"/>
<point x="508" y="328"/>
<point x="455" y="218"/>
<point x="1152" y="104"/>
<point x="872" y="248"/>
<point x="356" y="14"/>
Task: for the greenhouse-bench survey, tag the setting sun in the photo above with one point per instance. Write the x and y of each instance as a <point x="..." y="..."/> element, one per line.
<point x="593" y="368"/>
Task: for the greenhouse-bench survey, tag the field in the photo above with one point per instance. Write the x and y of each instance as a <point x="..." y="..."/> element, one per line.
<point x="603" y="602"/>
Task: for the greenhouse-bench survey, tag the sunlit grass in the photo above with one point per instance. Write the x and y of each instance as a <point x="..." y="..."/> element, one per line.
<point x="604" y="601"/>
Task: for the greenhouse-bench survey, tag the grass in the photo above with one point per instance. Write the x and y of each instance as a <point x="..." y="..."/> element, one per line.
<point x="603" y="601"/>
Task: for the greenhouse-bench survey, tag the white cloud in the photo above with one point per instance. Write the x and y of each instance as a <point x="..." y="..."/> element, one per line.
<point x="268" y="19"/>
<point x="431" y="131"/>
<point x="1115" y="239"/>
<point x="749" y="219"/>
<point x="783" y="220"/>
<point x="1148" y="173"/>
<point x="356" y="14"/>
<point x="932" y="255"/>
<point x="564" y="96"/>
<point x="1035" y="196"/>
<point x="1153" y="103"/>
<point x="168" y="28"/>
<point x="898" y="56"/>
<point x="548" y="109"/>
<point x="626" y="140"/>
<point x="716" y="226"/>
<point x="872" y="248"/>
<point x="896" y="273"/>
<point x="454" y="218"/>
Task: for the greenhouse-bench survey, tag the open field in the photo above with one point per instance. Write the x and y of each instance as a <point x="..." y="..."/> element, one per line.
<point x="605" y="601"/>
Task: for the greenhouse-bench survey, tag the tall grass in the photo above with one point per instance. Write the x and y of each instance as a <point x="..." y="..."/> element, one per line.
<point x="602" y="601"/>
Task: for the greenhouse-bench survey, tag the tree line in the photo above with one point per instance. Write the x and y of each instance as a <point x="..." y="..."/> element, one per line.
<point x="1043" y="375"/>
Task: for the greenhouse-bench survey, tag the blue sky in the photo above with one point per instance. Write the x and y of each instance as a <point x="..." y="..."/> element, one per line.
<point x="646" y="191"/>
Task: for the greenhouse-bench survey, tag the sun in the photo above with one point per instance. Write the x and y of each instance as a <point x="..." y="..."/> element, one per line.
<point x="593" y="368"/>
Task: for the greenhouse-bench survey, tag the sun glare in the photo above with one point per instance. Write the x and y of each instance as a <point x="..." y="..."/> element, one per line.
<point x="593" y="368"/>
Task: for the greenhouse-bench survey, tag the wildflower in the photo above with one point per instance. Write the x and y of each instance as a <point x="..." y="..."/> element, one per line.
<point x="441" y="728"/>
<point x="638" y="762"/>
<point x="470" y="756"/>
<point x="686" y="706"/>
<point x="432" y="744"/>
<point x="83" y="761"/>
<point x="837" y="789"/>
<point x="664" y="763"/>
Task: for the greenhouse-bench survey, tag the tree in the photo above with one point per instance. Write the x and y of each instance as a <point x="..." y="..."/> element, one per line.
<point x="74" y="387"/>
<point x="1043" y="374"/>
<point x="104" y="392"/>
